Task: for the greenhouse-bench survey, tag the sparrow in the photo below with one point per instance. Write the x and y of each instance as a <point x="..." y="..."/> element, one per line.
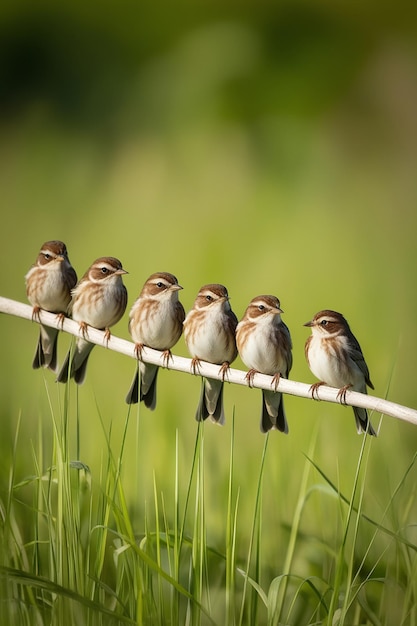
<point x="48" y="286"/>
<point x="335" y="357"/>
<point x="265" y="346"/>
<point x="209" y="332"/>
<point x="155" y="321"/>
<point x="99" y="300"/>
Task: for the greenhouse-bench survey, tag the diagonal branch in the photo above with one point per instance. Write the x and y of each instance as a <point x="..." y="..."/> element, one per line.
<point x="181" y="364"/>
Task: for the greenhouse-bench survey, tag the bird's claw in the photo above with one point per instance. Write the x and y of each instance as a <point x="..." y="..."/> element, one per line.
<point x="314" y="390"/>
<point x="36" y="314"/>
<point x="224" y="369"/>
<point x="166" y="357"/>
<point x="83" y="329"/>
<point x="61" y="318"/>
<point x="107" y="335"/>
<point x="275" y="381"/>
<point x="341" y="394"/>
<point x="195" y="366"/>
<point x="249" y="376"/>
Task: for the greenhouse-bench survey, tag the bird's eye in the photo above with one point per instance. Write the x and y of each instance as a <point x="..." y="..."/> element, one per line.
<point x="47" y="256"/>
<point x="160" y="285"/>
<point x="261" y="307"/>
<point x="209" y="298"/>
<point x="323" y="322"/>
<point x="104" y="270"/>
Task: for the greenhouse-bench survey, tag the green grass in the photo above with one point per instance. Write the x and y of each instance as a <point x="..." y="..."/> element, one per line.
<point x="75" y="549"/>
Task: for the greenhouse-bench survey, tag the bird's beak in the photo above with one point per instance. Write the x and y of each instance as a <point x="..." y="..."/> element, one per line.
<point x="277" y="311"/>
<point x="60" y="258"/>
<point x="121" y="272"/>
<point x="176" y="287"/>
<point x="309" y="324"/>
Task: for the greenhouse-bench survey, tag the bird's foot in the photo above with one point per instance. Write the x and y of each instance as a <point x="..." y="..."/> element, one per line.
<point x="314" y="390"/>
<point x="341" y="394"/>
<point x="61" y="318"/>
<point x="250" y="376"/>
<point x="107" y="335"/>
<point x="195" y="366"/>
<point x="35" y="314"/>
<point x="224" y="369"/>
<point x="166" y="356"/>
<point x="83" y="329"/>
<point x="275" y="381"/>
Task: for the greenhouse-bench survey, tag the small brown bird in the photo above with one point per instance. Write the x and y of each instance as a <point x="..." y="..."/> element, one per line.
<point x="209" y="332"/>
<point x="335" y="357"/>
<point x="48" y="286"/>
<point x="99" y="300"/>
<point x="265" y="346"/>
<point x="155" y="321"/>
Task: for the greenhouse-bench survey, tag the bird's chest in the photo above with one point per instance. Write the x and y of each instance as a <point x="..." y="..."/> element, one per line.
<point x="159" y="329"/>
<point x="54" y="296"/>
<point x="207" y="338"/>
<point x="262" y="353"/>
<point x="328" y="360"/>
<point x="97" y="305"/>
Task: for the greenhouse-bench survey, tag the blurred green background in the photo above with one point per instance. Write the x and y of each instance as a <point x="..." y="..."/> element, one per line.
<point x="268" y="146"/>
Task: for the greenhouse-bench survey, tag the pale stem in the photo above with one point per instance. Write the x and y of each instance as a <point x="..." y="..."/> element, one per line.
<point x="234" y="376"/>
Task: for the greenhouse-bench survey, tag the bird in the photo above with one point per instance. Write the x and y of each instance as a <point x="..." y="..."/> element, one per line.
<point x="48" y="286"/>
<point x="155" y="321"/>
<point x="99" y="300"/>
<point x="209" y="332"/>
<point x="264" y="344"/>
<point x="335" y="357"/>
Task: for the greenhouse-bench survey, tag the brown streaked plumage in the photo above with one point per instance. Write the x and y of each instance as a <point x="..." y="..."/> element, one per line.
<point x="155" y="321"/>
<point x="209" y="332"/>
<point x="98" y="300"/>
<point x="335" y="358"/>
<point x="48" y="286"/>
<point x="264" y="344"/>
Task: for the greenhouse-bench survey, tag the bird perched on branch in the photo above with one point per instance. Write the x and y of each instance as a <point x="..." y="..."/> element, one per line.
<point x="155" y="320"/>
<point x="265" y="346"/>
<point x="48" y="286"/>
<point x="335" y="357"/>
<point x="209" y="332"/>
<point x="98" y="300"/>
